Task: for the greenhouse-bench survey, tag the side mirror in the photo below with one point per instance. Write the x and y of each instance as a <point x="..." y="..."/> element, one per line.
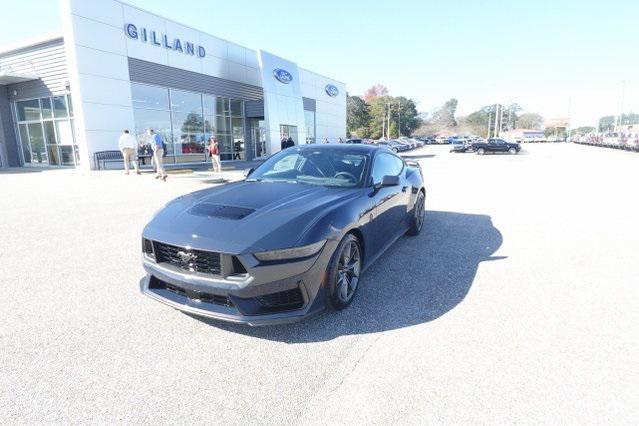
<point x="390" y="181"/>
<point x="247" y="172"/>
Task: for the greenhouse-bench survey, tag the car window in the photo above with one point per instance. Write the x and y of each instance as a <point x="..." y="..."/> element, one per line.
<point x="386" y="165"/>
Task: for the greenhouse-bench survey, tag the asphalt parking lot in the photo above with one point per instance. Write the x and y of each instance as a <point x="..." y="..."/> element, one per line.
<point x="518" y="303"/>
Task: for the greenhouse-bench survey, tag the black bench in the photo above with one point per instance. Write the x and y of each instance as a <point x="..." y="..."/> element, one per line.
<point x="107" y="157"/>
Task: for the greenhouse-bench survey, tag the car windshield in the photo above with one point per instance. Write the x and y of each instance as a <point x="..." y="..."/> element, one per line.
<point x="322" y="167"/>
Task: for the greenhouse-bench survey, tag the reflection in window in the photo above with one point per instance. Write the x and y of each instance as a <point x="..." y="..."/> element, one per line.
<point x="60" y="107"/>
<point x="24" y="139"/>
<point x="28" y="110"/>
<point x="159" y="122"/>
<point x="36" y="141"/>
<point x="47" y="111"/>
<point x="149" y="96"/>
<point x="186" y="101"/>
<point x="309" y="118"/>
<point x="236" y="108"/>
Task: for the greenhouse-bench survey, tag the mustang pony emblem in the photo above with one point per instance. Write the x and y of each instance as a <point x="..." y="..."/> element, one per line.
<point x="187" y="259"/>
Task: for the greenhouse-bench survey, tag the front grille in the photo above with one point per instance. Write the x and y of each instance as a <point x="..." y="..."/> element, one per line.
<point x="283" y="300"/>
<point x="215" y="299"/>
<point x="206" y="262"/>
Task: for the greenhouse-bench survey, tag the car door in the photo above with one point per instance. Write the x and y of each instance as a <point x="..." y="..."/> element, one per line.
<point x="390" y="201"/>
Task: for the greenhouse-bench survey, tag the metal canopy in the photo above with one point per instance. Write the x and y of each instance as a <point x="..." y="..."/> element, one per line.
<point x="7" y="77"/>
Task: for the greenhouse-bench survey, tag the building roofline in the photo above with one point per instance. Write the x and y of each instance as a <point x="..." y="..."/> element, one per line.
<point x="30" y="42"/>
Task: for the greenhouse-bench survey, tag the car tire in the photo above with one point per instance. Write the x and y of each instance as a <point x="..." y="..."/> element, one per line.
<point x="417" y="218"/>
<point x="481" y="151"/>
<point x="341" y="293"/>
<point x="512" y="151"/>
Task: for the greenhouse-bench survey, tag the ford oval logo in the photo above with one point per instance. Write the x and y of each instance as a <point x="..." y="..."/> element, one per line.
<point x="282" y="76"/>
<point x="331" y="90"/>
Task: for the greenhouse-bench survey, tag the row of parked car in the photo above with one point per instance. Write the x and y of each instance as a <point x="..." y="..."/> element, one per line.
<point x="625" y="141"/>
<point x="484" y="146"/>
<point x="396" y="145"/>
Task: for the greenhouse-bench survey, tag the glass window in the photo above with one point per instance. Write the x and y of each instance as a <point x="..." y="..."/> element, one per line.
<point x="47" y="112"/>
<point x="36" y="140"/>
<point x="386" y="165"/>
<point x="210" y="105"/>
<point x="24" y="139"/>
<point x="67" y="155"/>
<point x="188" y="137"/>
<point x="52" y="153"/>
<point x="64" y="131"/>
<point x="309" y="118"/>
<point x="236" y="108"/>
<point x="60" y="107"/>
<point x="158" y="121"/>
<point x="186" y="101"/>
<point x="226" y="147"/>
<point x="222" y="106"/>
<point x="223" y="124"/>
<point x="326" y="168"/>
<point x="49" y="133"/>
<point x="28" y="110"/>
<point x="149" y="96"/>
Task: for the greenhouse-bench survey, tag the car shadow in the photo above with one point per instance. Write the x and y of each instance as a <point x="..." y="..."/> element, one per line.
<point x="417" y="157"/>
<point x="417" y="280"/>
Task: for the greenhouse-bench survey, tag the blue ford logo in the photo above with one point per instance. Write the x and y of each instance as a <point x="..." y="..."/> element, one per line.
<point x="331" y="90"/>
<point x="282" y="76"/>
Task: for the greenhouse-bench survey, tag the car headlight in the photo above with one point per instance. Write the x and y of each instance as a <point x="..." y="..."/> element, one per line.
<point x="290" y="253"/>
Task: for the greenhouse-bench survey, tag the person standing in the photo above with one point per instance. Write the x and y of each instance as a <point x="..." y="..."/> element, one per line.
<point x="214" y="152"/>
<point x="290" y="142"/>
<point x="158" y="154"/>
<point x="325" y="140"/>
<point x="283" y="143"/>
<point x="128" y="146"/>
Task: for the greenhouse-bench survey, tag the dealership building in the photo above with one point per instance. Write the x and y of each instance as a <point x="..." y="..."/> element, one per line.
<point x="68" y="96"/>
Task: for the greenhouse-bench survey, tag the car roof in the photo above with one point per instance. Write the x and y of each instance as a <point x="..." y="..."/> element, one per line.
<point x="363" y="148"/>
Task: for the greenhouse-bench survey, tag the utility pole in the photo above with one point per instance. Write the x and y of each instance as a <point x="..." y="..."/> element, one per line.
<point x="399" y="118"/>
<point x="620" y="116"/>
<point x="496" y="120"/>
<point x="569" y="120"/>
<point x="490" y="116"/>
<point x="389" y="120"/>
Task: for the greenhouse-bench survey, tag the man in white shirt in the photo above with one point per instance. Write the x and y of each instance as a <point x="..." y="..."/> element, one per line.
<point x="129" y="147"/>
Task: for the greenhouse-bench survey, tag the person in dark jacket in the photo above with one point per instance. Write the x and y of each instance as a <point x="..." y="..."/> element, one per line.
<point x="290" y="142"/>
<point x="283" y="143"/>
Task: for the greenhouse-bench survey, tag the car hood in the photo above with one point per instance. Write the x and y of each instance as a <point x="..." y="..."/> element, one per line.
<point x="245" y="217"/>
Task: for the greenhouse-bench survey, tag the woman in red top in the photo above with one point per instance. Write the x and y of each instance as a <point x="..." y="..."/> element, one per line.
<point x="214" y="152"/>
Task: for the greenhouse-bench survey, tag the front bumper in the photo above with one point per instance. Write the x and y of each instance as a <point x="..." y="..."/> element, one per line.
<point x="271" y="294"/>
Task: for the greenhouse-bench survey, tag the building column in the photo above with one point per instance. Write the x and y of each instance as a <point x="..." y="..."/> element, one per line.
<point x="9" y="150"/>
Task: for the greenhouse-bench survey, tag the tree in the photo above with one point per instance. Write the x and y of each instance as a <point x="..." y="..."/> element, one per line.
<point x="530" y="120"/>
<point x="375" y="91"/>
<point x="393" y="133"/>
<point x="445" y="116"/>
<point x="358" y="116"/>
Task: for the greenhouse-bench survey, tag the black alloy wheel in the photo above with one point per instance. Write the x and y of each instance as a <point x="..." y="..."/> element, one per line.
<point x="344" y="272"/>
<point x="417" y="221"/>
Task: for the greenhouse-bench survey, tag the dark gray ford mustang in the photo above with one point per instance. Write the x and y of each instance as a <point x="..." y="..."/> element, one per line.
<point x="290" y="240"/>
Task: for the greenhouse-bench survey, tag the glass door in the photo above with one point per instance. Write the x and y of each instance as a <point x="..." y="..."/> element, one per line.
<point x="258" y="135"/>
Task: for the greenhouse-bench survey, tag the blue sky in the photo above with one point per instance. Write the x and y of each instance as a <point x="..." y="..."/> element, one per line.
<point x="545" y="55"/>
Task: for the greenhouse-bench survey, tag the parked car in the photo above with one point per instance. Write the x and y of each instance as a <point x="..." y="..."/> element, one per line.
<point x="461" y="145"/>
<point x="496" y="145"/>
<point x="289" y="241"/>
<point x="407" y="144"/>
<point x="355" y="141"/>
<point x="393" y="145"/>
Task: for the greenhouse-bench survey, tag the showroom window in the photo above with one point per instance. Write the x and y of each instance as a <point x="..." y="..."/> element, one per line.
<point x="45" y="128"/>
<point x="186" y="120"/>
<point x="309" y="119"/>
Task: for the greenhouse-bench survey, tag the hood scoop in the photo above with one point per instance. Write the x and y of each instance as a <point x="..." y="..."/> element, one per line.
<point x="220" y="211"/>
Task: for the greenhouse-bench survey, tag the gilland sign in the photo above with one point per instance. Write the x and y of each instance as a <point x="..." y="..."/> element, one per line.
<point x="163" y="40"/>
